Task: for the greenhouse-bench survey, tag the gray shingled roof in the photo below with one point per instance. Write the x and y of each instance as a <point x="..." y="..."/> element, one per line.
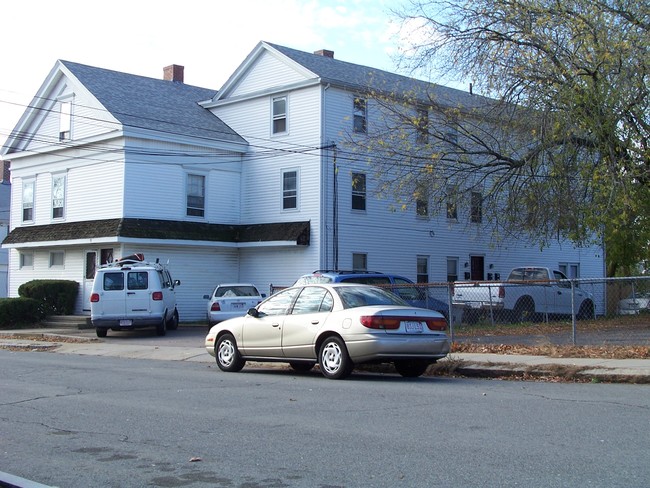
<point x="155" y="104"/>
<point x="362" y="78"/>
<point x="162" y="229"/>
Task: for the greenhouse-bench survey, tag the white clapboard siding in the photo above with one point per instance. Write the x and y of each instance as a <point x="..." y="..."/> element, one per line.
<point x="198" y="269"/>
<point x="269" y="71"/>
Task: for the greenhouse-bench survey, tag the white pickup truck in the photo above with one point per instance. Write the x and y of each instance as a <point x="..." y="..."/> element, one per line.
<point x="529" y="293"/>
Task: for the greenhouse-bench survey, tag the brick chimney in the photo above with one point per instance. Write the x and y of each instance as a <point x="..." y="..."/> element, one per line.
<point x="325" y="52"/>
<point x="173" y="72"/>
<point x="6" y="173"/>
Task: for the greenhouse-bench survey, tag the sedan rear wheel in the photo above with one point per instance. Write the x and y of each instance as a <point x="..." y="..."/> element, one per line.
<point x="227" y="354"/>
<point x="335" y="363"/>
<point x="411" y="368"/>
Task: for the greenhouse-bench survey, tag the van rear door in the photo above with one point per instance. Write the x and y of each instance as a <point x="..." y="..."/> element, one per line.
<point x="112" y="301"/>
<point x="137" y="293"/>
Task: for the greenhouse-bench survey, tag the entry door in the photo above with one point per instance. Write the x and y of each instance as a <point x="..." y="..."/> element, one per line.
<point x="477" y="268"/>
<point x="89" y="276"/>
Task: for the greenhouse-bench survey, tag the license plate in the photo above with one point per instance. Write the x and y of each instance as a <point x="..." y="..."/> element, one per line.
<point x="126" y="323"/>
<point x="411" y="326"/>
<point x="237" y="306"/>
<point x="474" y="304"/>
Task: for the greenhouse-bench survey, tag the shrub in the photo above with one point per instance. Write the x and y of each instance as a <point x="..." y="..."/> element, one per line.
<point x="57" y="297"/>
<point x="19" y="312"/>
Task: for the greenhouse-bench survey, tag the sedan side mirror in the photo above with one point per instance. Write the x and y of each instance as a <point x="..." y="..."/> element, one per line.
<point x="253" y="312"/>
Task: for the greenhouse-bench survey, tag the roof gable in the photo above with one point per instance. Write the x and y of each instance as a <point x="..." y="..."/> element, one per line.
<point x="163" y="108"/>
<point x="276" y="70"/>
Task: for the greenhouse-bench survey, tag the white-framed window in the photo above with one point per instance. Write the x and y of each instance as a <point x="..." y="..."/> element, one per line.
<point x="422" y="201"/>
<point x="195" y="195"/>
<point x="358" y="191"/>
<point x="279" y="121"/>
<point x="422" y="125"/>
<point x="65" y="120"/>
<point x="452" y="206"/>
<point x="422" y="269"/>
<point x="476" y="210"/>
<point x="452" y="269"/>
<point x="359" y="261"/>
<point x="58" y="196"/>
<point x="26" y="260"/>
<point x="57" y="259"/>
<point x="289" y="189"/>
<point x="28" y="200"/>
<point x="570" y="270"/>
<point x="360" y="113"/>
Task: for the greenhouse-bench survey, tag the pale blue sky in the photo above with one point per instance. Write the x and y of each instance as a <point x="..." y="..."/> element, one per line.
<point x="209" y="38"/>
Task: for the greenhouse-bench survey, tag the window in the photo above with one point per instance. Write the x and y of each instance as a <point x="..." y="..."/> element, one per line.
<point x="58" y="196"/>
<point x="28" y="201"/>
<point x="452" y="269"/>
<point x="289" y="190"/>
<point x="423" y="269"/>
<point x="106" y="256"/>
<point x="26" y="260"/>
<point x="451" y="132"/>
<point x="476" y="211"/>
<point x="57" y="259"/>
<point x="422" y="125"/>
<point x="359" y="261"/>
<point x="279" y="115"/>
<point x="195" y="195"/>
<point x="279" y="303"/>
<point x="452" y="208"/>
<point x="113" y="281"/>
<point x="570" y="270"/>
<point x="358" y="191"/>
<point x="65" y="120"/>
<point x="313" y="300"/>
<point x="359" y="111"/>
<point x="421" y="201"/>
<point x="138" y="280"/>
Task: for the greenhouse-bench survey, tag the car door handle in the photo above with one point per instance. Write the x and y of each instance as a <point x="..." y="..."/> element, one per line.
<point x="275" y="324"/>
<point x="315" y="322"/>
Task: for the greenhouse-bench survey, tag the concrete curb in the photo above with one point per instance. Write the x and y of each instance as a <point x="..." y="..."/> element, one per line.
<point x="471" y="365"/>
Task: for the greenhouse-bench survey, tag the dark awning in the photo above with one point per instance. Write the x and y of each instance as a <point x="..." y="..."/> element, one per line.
<point x="161" y="229"/>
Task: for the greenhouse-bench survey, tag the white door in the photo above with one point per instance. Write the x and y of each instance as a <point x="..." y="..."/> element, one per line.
<point x="89" y="276"/>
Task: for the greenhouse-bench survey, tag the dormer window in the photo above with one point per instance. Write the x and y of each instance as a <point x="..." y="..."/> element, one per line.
<point x="65" y="120"/>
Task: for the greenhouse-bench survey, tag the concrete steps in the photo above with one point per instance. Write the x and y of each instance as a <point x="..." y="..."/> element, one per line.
<point x="67" y="322"/>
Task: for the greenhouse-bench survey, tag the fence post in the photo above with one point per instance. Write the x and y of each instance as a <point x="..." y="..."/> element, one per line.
<point x="573" y="312"/>
<point x="450" y="310"/>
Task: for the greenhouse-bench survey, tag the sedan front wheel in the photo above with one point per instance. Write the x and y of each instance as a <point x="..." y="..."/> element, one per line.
<point x="227" y="354"/>
<point x="335" y="363"/>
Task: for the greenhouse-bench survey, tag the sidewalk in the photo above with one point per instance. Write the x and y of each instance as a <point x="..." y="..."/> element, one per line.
<point x="475" y="365"/>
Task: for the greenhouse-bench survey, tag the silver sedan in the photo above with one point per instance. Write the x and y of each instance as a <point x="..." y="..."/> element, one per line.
<point x="333" y="325"/>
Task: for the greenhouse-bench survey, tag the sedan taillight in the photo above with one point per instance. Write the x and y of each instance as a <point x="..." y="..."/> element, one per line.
<point x="393" y="323"/>
<point x="215" y="307"/>
<point x="379" y="322"/>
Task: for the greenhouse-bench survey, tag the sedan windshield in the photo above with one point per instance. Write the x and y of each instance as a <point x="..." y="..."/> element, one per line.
<point x="354" y="296"/>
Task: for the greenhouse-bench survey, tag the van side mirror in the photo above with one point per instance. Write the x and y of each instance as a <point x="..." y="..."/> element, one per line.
<point x="177" y="282"/>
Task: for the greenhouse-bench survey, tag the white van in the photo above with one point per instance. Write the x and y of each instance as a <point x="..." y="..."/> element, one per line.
<point x="131" y="294"/>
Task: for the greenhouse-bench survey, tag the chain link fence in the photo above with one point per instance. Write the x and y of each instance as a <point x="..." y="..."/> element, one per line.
<point x="599" y="312"/>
